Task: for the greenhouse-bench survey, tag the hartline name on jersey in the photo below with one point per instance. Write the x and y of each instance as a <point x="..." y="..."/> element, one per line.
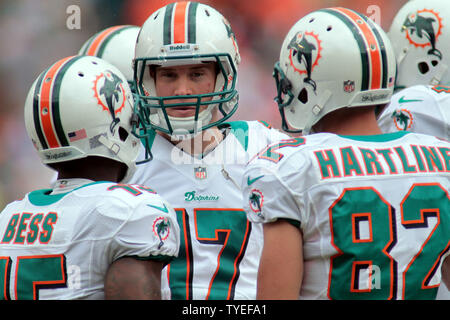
<point x="353" y="161"/>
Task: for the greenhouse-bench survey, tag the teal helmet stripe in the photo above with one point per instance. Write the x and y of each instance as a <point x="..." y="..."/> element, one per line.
<point x="55" y="101"/>
<point x="36" y="118"/>
<point x="167" y="34"/>
<point x="361" y="44"/>
<point x="105" y="42"/>
<point x="110" y="33"/>
<point x="382" y="46"/>
<point x="192" y="24"/>
<point x="88" y="44"/>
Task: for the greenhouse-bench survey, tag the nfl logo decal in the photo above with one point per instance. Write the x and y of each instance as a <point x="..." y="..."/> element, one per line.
<point x="349" y="86"/>
<point x="200" y="173"/>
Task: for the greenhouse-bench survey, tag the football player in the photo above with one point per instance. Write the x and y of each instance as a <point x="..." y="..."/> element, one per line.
<point x="421" y="43"/>
<point x="90" y="236"/>
<point x="186" y="64"/>
<point x="348" y="212"/>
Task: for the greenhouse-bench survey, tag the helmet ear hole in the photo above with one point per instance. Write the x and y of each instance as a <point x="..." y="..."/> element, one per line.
<point x="303" y="96"/>
<point x="123" y="134"/>
<point x="423" y="67"/>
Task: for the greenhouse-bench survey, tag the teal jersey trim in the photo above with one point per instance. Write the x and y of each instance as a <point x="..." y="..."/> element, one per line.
<point x="378" y="137"/>
<point x="151" y="138"/>
<point x="42" y="198"/>
<point x="240" y="130"/>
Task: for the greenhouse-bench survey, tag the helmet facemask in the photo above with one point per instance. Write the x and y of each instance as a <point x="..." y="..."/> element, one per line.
<point x="153" y="108"/>
<point x="183" y="34"/>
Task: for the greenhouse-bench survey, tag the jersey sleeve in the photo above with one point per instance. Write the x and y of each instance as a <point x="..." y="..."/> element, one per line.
<point x="150" y="232"/>
<point x="266" y="198"/>
<point x="415" y="109"/>
<point x="267" y="133"/>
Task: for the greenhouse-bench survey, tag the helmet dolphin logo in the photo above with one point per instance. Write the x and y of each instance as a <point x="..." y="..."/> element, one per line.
<point x="111" y="90"/>
<point x="423" y="26"/>
<point x="304" y="51"/>
<point x="231" y="35"/>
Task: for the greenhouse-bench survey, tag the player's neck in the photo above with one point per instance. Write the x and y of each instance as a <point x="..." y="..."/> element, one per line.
<point x="93" y="168"/>
<point x="200" y="144"/>
<point x="355" y="121"/>
<point x="94" y="176"/>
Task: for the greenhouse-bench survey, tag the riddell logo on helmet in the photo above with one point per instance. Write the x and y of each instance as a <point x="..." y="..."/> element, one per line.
<point x="423" y="29"/>
<point x="180" y="47"/>
<point x="171" y="48"/>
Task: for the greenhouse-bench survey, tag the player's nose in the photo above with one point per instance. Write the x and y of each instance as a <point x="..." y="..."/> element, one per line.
<point x="183" y="86"/>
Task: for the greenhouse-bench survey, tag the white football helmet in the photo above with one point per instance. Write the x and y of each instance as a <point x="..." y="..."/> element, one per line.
<point x="115" y="45"/>
<point x="185" y="33"/>
<point x="421" y="39"/>
<point x="82" y="106"/>
<point x="330" y="59"/>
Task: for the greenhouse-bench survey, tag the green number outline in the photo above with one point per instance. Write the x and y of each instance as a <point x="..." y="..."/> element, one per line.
<point x="421" y="203"/>
<point x="415" y="212"/>
<point x="270" y="154"/>
<point x="213" y="226"/>
<point x="32" y="274"/>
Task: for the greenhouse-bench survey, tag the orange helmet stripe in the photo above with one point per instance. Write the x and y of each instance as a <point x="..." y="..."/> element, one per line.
<point x="93" y="48"/>
<point x="179" y="22"/>
<point x="373" y="48"/>
<point x="45" y="110"/>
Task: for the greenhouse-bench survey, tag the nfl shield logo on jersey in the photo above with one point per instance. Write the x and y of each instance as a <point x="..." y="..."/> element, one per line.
<point x="200" y="173"/>
<point x="349" y="86"/>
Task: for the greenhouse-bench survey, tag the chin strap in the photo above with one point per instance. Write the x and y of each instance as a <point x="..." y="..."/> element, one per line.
<point x="317" y="109"/>
<point x="113" y="147"/>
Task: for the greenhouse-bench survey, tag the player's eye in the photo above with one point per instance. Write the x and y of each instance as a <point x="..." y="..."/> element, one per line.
<point x="197" y="74"/>
<point x="168" y="74"/>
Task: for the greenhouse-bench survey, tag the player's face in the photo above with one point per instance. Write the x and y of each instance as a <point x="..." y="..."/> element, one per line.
<point x="185" y="80"/>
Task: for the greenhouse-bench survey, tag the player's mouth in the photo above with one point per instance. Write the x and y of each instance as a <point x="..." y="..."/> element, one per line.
<point x="181" y="111"/>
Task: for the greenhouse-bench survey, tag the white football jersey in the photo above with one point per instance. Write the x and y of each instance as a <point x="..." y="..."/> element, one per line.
<point x="374" y="211"/>
<point x="220" y="249"/>
<point x="60" y="246"/>
<point x="420" y="109"/>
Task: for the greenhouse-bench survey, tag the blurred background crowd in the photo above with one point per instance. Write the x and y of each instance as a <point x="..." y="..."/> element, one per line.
<point x="35" y="33"/>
